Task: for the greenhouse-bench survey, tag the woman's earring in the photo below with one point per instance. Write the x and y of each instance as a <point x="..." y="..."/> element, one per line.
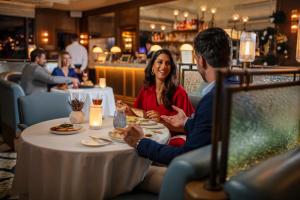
<point x="152" y="73"/>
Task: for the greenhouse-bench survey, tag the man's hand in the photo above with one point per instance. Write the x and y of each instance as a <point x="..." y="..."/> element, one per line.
<point x="133" y="134"/>
<point x="154" y="115"/>
<point x="177" y="120"/>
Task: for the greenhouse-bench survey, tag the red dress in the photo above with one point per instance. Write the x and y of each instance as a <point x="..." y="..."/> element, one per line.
<point x="146" y="100"/>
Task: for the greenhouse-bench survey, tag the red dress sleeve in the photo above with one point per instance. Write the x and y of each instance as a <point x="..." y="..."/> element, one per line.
<point x="181" y="100"/>
<point x="138" y="103"/>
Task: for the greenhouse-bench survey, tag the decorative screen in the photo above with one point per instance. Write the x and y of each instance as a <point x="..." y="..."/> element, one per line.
<point x="263" y="123"/>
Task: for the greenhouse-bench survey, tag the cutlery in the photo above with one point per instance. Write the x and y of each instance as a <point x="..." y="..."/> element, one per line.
<point x="97" y="138"/>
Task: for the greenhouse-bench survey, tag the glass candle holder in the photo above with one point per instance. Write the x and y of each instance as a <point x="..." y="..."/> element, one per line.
<point x="102" y="82"/>
<point x="95" y="117"/>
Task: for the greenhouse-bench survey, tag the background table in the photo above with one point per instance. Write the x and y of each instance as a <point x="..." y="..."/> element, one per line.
<point x="59" y="167"/>
<point x="88" y="94"/>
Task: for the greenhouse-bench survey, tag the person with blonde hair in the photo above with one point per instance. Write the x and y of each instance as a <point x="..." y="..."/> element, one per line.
<point x="64" y="67"/>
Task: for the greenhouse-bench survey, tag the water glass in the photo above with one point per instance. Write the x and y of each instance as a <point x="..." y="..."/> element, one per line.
<point x="119" y="119"/>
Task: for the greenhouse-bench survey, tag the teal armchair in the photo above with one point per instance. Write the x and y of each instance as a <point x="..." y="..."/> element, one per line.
<point x="9" y="111"/>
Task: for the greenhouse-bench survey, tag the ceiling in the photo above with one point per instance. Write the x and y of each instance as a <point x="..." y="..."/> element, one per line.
<point x="25" y="8"/>
<point x="258" y="12"/>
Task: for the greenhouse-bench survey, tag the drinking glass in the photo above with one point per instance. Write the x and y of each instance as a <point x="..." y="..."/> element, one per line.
<point x="119" y="119"/>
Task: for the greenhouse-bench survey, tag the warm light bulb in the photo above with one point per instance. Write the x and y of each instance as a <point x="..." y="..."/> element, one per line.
<point x="45" y="34"/>
<point x="213" y="10"/>
<point x="163" y="27"/>
<point x="235" y="17"/>
<point x="186" y="14"/>
<point x="245" y="19"/>
<point x="203" y="8"/>
<point x="176" y="12"/>
<point x="152" y="26"/>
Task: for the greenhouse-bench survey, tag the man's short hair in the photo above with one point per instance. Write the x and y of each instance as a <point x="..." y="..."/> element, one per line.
<point x="74" y="37"/>
<point x="36" y="53"/>
<point x="214" y="45"/>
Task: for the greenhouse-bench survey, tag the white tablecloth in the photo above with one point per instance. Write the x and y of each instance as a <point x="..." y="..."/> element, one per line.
<point x="88" y="94"/>
<point x="59" y="167"/>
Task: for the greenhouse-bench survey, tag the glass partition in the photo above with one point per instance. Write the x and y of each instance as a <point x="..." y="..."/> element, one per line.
<point x="263" y="123"/>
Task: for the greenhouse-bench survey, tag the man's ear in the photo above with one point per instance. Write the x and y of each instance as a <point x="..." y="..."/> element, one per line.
<point x="202" y="62"/>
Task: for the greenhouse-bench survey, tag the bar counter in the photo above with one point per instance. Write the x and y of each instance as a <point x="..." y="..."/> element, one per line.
<point x="125" y="79"/>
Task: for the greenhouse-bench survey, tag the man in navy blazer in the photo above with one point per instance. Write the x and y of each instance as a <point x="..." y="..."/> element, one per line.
<point x="212" y="50"/>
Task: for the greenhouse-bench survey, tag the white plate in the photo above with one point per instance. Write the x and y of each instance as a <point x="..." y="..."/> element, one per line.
<point x="158" y="126"/>
<point x="77" y="127"/>
<point x="117" y="139"/>
<point x="93" y="143"/>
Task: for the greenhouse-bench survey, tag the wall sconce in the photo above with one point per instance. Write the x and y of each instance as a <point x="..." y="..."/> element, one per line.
<point x="235" y="18"/>
<point x="294" y="21"/>
<point x="298" y="42"/>
<point x="245" y="19"/>
<point x="155" y="48"/>
<point x="163" y="27"/>
<point x="176" y="13"/>
<point x="95" y="117"/>
<point x="203" y="9"/>
<point x="247" y="48"/>
<point x="213" y="12"/>
<point x="83" y="38"/>
<point x="45" y="37"/>
<point x="186" y="14"/>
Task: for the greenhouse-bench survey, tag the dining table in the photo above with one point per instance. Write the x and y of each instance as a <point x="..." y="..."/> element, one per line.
<point x="74" y="166"/>
<point x="88" y="94"/>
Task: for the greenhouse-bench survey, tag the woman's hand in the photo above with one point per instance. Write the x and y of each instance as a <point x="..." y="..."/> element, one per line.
<point x="154" y="115"/>
<point x="123" y="106"/>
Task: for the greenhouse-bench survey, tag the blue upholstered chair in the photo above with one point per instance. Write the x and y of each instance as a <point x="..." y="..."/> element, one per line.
<point x="43" y="106"/>
<point x="9" y="95"/>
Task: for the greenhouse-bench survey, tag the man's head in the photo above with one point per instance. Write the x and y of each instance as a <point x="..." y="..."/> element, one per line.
<point x="38" y="56"/>
<point x="213" y="50"/>
<point x="148" y="45"/>
<point x="74" y="37"/>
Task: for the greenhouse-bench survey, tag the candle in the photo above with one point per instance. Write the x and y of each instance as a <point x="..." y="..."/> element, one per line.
<point x="95" y="117"/>
<point x="102" y="82"/>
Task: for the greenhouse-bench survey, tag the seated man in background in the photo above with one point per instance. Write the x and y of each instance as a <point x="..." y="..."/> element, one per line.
<point x="35" y="78"/>
<point x="212" y="50"/>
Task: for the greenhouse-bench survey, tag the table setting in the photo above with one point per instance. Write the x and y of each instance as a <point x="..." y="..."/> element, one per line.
<point x="58" y="159"/>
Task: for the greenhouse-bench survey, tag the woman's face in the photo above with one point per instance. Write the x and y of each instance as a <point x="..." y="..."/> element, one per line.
<point x="66" y="60"/>
<point x="161" y="67"/>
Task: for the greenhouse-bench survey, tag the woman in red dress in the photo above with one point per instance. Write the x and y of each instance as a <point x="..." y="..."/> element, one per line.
<point x="161" y="90"/>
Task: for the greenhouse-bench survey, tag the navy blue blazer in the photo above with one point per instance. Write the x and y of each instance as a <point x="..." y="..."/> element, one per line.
<point x="198" y="131"/>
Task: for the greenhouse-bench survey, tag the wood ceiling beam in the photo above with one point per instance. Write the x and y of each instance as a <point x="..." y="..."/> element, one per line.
<point x="121" y="6"/>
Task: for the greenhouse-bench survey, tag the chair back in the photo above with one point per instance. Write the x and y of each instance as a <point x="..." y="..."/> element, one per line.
<point x="9" y="111"/>
<point x="43" y="106"/>
<point x="13" y="77"/>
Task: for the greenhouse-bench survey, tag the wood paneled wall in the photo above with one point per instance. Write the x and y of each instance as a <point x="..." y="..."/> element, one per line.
<point x="287" y="6"/>
<point x="53" y="21"/>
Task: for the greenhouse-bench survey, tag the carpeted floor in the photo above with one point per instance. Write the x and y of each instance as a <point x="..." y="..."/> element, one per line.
<point x="7" y="167"/>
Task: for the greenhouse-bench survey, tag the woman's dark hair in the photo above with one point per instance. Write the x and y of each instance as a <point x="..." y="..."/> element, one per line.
<point x="36" y="53"/>
<point x="171" y="82"/>
<point x="214" y="45"/>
